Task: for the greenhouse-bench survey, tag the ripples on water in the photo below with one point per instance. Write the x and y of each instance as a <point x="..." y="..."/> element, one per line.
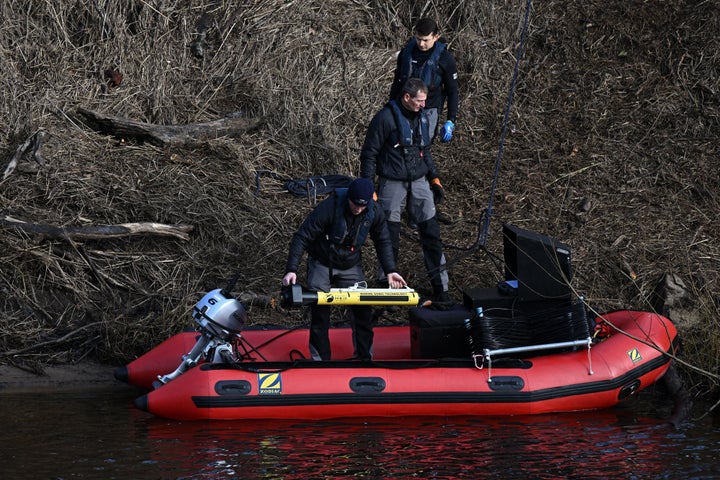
<point x="100" y="435"/>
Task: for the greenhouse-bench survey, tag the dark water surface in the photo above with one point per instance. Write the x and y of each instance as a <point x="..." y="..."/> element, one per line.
<point x="99" y="434"/>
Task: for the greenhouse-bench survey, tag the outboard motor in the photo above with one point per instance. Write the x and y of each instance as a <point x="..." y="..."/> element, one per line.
<point x="220" y="318"/>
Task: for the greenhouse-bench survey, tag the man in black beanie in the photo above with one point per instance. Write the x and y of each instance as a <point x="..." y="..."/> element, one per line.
<point x="332" y="235"/>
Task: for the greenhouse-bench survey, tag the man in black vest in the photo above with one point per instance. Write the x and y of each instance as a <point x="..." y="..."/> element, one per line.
<point x="397" y="150"/>
<point x="333" y="235"/>
<point x="428" y="59"/>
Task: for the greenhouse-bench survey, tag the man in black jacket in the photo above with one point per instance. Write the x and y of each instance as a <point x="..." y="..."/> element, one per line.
<point x="428" y="59"/>
<point x="397" y="150"/>
<point x="333" y="235"/>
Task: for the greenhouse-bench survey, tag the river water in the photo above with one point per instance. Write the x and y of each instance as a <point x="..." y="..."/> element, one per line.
<point x="98" y="434"/>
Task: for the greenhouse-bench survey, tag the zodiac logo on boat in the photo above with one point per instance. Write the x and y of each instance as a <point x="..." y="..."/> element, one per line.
<point x="634" y="355"/>
<point x="269" y="383"/>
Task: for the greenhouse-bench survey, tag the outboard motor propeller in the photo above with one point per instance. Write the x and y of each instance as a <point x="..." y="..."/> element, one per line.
<point x="220" y="318"/>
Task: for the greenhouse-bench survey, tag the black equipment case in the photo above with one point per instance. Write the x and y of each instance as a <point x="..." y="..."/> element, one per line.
<point x="439" y="333"/>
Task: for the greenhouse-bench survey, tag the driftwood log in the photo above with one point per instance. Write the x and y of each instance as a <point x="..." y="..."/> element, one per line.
<point x="50" y="232"/>
<point x="258" y="300"/>
<point x="165" y="135"/>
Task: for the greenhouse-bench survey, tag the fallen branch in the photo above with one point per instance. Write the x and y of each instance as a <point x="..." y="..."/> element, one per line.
<point x="258" y="300"/>
<point x="35" y="140"/>
<point x="163" y="135"/>
<point x="44" y="232"/>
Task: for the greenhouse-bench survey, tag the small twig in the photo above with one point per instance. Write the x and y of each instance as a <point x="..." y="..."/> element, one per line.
<point x="572" y="174"/>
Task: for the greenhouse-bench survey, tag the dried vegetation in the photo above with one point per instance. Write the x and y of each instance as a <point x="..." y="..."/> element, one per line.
<point x="611" y="146"/>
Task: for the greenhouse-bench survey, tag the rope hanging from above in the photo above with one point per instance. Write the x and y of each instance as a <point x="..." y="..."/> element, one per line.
<point x="484" y="220"/>
<point x="487" y="213"/>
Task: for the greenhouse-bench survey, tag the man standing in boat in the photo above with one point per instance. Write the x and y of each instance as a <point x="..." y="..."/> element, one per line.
<point x="333" y="235"/>
<point x="397" y="151"/>
<point x="427" y="58"/>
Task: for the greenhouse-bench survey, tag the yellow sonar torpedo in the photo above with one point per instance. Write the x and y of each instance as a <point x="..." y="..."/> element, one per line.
<point x="294" y="296"/>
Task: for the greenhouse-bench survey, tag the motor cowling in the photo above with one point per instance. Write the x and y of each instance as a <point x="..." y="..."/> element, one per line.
<point x="221" y="314"/>
<point x="220" y="317"/>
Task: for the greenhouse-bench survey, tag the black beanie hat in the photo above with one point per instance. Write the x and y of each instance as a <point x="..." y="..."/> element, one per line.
<point x="361" y="191"/>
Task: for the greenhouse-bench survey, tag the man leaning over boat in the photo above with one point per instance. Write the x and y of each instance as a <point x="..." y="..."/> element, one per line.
<point x="332" y="235"/>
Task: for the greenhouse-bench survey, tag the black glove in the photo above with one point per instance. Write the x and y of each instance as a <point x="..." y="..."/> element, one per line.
<point x="438" y="190"/>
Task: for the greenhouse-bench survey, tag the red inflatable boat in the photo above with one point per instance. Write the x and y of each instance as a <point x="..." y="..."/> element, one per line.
<point x="271" y="377"/>
<point x="527" y="346"/>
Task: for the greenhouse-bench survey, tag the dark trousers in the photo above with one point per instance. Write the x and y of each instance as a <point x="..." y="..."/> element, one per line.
<point x="432" y="248"/>
<point x="433" y="254"/>
<point x="322" y="279"/>
<point x="320" y="325"/>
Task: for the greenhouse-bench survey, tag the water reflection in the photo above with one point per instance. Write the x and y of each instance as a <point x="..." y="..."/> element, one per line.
<point x="588" y="445"/>
<point x="100" y="435"/>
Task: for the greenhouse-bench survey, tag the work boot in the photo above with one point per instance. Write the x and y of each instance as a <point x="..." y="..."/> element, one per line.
<point x="443" y="217"/>
<point x="442" y="301"/>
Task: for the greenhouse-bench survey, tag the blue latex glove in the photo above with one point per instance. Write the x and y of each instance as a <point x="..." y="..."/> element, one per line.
<point x="446" y="132"/>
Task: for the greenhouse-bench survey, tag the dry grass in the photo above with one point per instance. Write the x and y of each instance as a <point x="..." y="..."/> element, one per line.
<point x="611" y="147"/>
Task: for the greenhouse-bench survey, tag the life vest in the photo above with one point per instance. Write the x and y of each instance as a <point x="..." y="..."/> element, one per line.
<point x="428" y="71"/>
<point x="340" y="232"/>
<point x="405" y="128"/>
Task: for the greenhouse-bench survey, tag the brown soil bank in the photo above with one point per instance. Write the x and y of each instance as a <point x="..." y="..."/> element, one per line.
<point x="54" y="378"/>
<point x="610" y="146"/>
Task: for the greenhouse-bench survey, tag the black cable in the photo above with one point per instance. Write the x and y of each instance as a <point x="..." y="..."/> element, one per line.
<point x="487" y="213"/>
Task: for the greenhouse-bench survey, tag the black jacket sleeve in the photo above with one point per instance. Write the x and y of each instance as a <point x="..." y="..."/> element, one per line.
<point x="450" y="84"/>
<point x="398" y="80"/>
<point x="432" y="171"/>
<point x="311" y="230"/>
<point x="377" y="134"/>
